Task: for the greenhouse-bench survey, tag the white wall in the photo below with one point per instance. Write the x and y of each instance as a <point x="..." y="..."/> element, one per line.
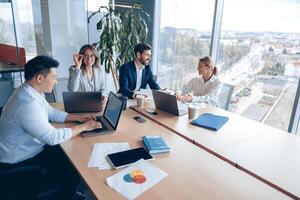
<point x="68" y="31"/>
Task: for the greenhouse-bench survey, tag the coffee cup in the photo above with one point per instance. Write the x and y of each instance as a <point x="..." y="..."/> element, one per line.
<point x="192" y="111"/>
<point x="140" y="99"/>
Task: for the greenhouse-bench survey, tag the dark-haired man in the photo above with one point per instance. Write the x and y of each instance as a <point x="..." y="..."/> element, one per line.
<point x="136" y="74"/>
<point x="27" y="137"/>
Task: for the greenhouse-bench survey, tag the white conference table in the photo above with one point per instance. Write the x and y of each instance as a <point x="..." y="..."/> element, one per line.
<point x="267" y="153"/>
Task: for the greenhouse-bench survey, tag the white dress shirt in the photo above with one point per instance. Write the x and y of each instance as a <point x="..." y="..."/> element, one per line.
<point x="139" y="73"/>
<point x="204" y="92"/>
<point x="25" y="127"/>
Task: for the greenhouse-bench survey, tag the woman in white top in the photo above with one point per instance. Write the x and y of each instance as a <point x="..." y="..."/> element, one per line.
<point x="204" y="88"/>
<point x="86" y="75"/>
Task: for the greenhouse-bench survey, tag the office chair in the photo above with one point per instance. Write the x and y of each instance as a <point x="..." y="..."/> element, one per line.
<point x="50" y="97"/>
<point x="225" y="96"/>
<point x="24" y="182"/>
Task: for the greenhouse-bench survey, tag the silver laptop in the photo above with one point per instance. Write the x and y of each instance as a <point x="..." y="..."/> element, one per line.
<point x="168" y="102"/>
<point x="110" y="118"/>
<point x="80" y="102"/>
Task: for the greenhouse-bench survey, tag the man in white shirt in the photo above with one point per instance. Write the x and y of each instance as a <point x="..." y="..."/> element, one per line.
<point x="26" y="135"/>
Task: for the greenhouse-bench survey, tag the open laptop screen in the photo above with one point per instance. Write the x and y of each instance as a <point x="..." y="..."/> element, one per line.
<point x="113" y="110"/>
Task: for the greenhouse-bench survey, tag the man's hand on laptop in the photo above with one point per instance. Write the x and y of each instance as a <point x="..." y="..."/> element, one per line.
<point x="80" y="118"/>
<point x="91" y="125"/>
<point x="86" y="117"/>
<point x="86" y="126"/>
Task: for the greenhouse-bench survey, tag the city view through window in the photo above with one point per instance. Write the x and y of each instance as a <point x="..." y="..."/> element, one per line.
<point x="259" y="53"/>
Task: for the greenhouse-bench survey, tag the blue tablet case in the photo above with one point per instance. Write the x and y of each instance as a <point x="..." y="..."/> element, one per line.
<point x="210" y="121"/>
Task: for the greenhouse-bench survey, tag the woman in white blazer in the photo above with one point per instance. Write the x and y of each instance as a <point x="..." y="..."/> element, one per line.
<point x="204" y="88"/>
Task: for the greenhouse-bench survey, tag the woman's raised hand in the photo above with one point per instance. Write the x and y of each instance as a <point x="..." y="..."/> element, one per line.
<point x="78" y="60"/>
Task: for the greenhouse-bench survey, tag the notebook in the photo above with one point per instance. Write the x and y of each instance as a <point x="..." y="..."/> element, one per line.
<point x="168" y="102"/>
<point x="155" y="144"/>
<point x="210" y="121"/>
<point x="110" y="118"/>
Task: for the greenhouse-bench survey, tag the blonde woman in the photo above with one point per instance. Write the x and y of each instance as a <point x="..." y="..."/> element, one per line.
<point x="86" y="75"/>
<point x="204" y="88"/>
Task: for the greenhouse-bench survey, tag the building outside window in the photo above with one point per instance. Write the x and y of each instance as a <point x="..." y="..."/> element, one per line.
<point x="259" y="53"/>
<point x="185" y="33"/>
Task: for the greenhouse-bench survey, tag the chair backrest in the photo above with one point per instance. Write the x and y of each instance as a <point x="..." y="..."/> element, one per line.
<point x="50" y="97"/>
<point x="225" y="96"/>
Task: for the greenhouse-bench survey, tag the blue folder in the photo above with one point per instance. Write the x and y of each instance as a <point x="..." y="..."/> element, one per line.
<point x="210" y="121"/>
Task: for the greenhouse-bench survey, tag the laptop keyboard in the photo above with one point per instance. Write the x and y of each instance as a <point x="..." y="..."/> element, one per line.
<point x="98" y="119"/>
<point x="103" y="128"/>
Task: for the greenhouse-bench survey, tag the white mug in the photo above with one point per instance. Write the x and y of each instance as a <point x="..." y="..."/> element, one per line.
<point x="192" y="111"/>
<point x="140" y="99"/>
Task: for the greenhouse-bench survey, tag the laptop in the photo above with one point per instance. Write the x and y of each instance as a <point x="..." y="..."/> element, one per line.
<point x="81" y="102"/>
<point x="168" y="102"/>
<point x="110" y="118"/>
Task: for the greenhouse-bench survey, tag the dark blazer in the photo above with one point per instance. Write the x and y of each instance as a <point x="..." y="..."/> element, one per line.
<point x="127" y="79"/>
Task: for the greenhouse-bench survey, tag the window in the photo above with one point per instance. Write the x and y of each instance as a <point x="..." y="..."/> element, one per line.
<point x="259" y="54"/>
<point x="93" y="6"/>
<point x="185" y="33"/>
<point x="6" y="24"/>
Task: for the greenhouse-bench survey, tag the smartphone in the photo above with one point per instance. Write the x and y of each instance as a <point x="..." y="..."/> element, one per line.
<point x="152" y="112"/>
<point x="125" y="158"/>
<point x="139" y="119"/>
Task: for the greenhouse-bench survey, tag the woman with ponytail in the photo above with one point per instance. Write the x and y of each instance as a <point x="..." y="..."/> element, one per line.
<point x="204" y="88"/>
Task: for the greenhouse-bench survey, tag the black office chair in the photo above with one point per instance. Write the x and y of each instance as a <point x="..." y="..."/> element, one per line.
<point x="24" y="182"/>
<point x="50" y="97"/>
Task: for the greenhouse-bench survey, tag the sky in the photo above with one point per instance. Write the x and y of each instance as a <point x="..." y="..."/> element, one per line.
<point x="238" y="15"/>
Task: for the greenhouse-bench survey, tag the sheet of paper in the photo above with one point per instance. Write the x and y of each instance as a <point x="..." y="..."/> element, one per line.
<point x="136" y="179"/>
<point x="99" y="154"/>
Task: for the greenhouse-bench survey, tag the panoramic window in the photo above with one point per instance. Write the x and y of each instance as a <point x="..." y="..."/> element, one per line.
<point x="259" y="55"/>
<point x="185" y="33"/>
<point x="6" y="24"/>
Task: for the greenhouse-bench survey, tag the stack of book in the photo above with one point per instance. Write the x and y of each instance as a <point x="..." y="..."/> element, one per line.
<point x="155" y="144"/>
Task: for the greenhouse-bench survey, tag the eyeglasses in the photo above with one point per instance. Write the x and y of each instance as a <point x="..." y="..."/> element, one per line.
<point x="89" y="56"/>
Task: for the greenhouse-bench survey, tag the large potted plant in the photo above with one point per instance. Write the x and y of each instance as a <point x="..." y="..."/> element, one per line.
<point x="120" y="30"/>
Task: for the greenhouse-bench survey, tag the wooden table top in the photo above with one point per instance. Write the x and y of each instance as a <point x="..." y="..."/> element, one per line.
<point x="269" y="154"/>
<point x="273" y="156"/>
<point x="192" y="172"/>
<point x="233" y="131"/>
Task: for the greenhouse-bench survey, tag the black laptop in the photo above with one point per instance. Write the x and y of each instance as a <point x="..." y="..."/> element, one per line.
<point x="81" y="102"/>
<point x="168" y="102"/>
<point x="110" y="118"/>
